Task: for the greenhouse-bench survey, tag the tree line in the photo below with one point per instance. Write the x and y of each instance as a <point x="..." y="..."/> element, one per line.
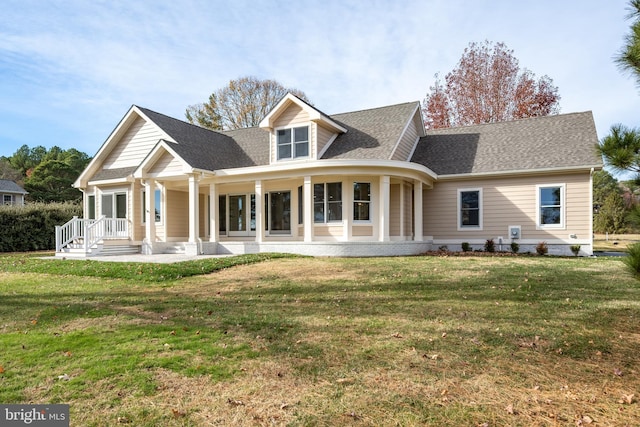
<point x="47" y="174"/>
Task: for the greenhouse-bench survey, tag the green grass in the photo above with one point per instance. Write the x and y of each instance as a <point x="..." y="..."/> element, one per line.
<point x="303" y="341"/>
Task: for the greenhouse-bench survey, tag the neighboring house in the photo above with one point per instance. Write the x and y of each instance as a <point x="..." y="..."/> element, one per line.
<point x="11" y="193"/>
<point x="363" y="183"/>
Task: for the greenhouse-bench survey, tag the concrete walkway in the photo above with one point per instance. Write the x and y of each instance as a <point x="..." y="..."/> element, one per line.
<point x="157" y="258"/>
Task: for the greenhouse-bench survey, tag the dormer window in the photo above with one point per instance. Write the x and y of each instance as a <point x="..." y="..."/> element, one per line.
<point x="293" y="143"/>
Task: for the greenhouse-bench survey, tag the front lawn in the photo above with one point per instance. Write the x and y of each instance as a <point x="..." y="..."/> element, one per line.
<point x="263" y="340"/>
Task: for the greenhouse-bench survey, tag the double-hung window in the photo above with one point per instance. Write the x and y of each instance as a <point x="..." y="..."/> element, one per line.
<point x="327" y="202"/>
<point x="551" y="206"/>
<point x="470" y="209"/>
<point x="293" y="143"/>
<point x="361" y="201"/>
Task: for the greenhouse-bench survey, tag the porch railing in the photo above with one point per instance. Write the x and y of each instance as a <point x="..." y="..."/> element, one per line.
<point x="86" y="233"/>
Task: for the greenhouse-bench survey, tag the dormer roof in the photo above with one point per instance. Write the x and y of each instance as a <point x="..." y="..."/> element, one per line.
<point x="315" y="115"/>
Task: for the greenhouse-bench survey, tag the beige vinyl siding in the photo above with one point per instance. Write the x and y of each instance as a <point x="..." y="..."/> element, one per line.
<point x="406" y="144"/>
<point x="166" y="165"/>
<point x="328" y="231"/>
<point x="202" y="215"/>
<point x="505" y="202"/>
<point x="323" y="137"/>
<point x="408" y="209"/>
<point x="394" y="210"/>
<point x="134" y="145"/>
<point x="362" y="230"/>
<point x="177" y="209"/>
<point x="292" y="116"/>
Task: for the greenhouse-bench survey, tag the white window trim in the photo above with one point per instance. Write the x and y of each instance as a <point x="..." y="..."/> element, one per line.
<point x="370" y="202"/>
<point x="293" y="158"/>
<point x="563" y="208"/>
<point x="268" y="230"/>
<point x="248" y="232"/>
<point x="326" y="204"/>
<point x="459" y="210"/>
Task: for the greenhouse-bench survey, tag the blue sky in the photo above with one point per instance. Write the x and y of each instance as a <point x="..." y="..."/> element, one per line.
<point x="69" y="70"/>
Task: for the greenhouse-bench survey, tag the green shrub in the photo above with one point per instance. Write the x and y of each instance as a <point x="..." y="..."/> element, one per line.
<point x="542" y="248"/>
<point x="632" y="261"/>
<point x="515" y="247"/>
<point x="32" y="227"/>
<point x="466" y="247"/>
<point x="575" y="249"/>
<point x="489" y="246"/>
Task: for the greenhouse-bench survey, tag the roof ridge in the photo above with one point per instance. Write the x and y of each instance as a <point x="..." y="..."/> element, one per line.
<point x="549" y="116"/>
<point x="179" y="120"/>
<point x="375" y="108"/>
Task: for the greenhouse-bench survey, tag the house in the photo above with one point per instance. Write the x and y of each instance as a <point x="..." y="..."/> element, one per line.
<point x="11" y="193"/>
<point x="363" y="183"/>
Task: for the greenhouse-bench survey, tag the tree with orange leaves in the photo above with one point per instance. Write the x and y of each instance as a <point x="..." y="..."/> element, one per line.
<point x="488" y="86"/>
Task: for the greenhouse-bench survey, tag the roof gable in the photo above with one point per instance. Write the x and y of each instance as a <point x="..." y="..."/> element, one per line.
<point x="541" y="143"/>
<point x="104" y="163"/>
<point x="314" y="114"/>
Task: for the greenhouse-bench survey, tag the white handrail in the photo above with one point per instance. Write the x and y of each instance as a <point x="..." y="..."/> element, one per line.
<point x="91" y="231"/>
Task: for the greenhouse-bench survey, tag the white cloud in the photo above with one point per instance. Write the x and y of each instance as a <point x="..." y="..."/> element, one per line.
<point x="77" y="66"/>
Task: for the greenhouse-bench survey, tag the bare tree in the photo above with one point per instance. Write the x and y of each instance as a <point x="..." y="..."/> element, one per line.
<point x="242" y="103"/>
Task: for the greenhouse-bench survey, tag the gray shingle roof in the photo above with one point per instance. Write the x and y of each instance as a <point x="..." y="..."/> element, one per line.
<point x="106" y="174"/>
<point x="559" y="141"/>
<point x="371" y="134"/>
<point x="206" y="149"/>
<point x="7" y="186"/>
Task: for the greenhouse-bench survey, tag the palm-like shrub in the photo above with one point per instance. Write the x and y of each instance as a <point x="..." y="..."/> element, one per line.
<point x="632" y="261"/>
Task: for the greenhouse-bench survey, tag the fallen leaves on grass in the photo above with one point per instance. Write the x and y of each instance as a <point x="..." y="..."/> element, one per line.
<point x="583" y="420"/>
<point x="234" y="402"/>
<point x="178" y="414"/>
<point x="627" y="398"/>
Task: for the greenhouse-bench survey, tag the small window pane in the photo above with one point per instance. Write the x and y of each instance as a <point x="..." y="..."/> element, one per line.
<point x="222" y="214"/>
<point x="550" y="216"/>
<point x="284" y="136"/>
<point x="550" y="196"/>
<point x="302" y="149"/>
<point x="92" y="207"/>
<point x="361" y="201"/>
<point x="334" y="204"/>
<point x="318" y="202"/>
<point x="158" y="205"/>
<point x="301" y="134"/>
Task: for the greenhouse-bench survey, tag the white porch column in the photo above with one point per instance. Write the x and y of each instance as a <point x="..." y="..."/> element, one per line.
<point x="347" y="221"/>
<point x="149" y="216"/>
<point x="194" y="217"/>
<point x="259" y="212"/>
<point x="213" y="213"/>
<point x="383" y="214"/>
<point x="402" y="210"/>
<point x="307" y="209"/>
<point x="417" y="211"/>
